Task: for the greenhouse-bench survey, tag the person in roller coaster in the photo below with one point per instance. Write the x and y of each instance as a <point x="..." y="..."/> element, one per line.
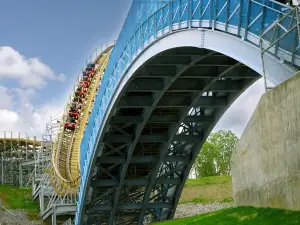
<point x="90" y="69"/>
<point x="75" y="107"/>
<point x="80" y="91"/>
<point x="74" y="114"/>
<point x="77" y="100"/>
<point x="70" y="123"/>
<point x="86" y="81"/>
<point x="79" y="96"/>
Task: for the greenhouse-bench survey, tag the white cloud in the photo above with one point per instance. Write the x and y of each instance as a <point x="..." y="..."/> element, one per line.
<point x="238" y="115"/>
<point x="30" y="72"/>
<point x="6" y="100"/>
<point x="26" y="117"/>
<point x="18" y="113"/>
<point x="9" y="117"/>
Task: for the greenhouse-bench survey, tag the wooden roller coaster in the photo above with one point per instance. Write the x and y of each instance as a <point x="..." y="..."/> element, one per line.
<point x="65" y="171"/>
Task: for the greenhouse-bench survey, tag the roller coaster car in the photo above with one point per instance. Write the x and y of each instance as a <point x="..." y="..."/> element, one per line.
<point x="86" y="78"/>
<point x="76" y="105"/>
<point x="70" y="126"/>
<point x="85" y="84"/>
<point x="80" y="94"/>
<point x="74" y="114"/>
<point x="75" y="108"/>
<point x="90" y="66"/>
<point x="77" y="100"/>
<point x="91" y="73"/>
<point x="81" y="88"/>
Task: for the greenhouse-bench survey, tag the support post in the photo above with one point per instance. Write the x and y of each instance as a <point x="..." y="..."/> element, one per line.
<point x="263" y="66"/>
<point x="2" y="168"/>
<point x="20" y="175"/>
<point x="53" y="216"/>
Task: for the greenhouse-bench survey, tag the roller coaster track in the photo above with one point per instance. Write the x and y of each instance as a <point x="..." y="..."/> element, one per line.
<point x="65" y="171"/>
<point x="18" y="158"/>
<point x="19" y="141"/>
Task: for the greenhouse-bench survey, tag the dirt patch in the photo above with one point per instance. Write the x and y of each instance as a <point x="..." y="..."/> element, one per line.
<point x="16" y="217"/>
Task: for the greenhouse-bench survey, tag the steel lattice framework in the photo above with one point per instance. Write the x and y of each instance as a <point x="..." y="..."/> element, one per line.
<point x="18" y="153"/>
<point x="160" y="122"/>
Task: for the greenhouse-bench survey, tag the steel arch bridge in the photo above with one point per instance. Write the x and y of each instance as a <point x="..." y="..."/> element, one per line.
<point x="174" y="70"/>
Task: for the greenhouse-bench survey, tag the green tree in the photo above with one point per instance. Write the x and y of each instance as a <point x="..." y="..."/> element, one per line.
<point x="214" y="157"/>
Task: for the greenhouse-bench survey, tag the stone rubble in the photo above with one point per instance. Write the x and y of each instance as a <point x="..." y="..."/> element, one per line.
<point x="192" y="209"/>
<point x="183" y="210"/>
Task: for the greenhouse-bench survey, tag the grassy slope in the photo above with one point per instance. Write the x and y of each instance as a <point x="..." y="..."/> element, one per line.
<point x="207" y="190"/>
<point x="241" y="216"/>
<point x="19" y="198"/>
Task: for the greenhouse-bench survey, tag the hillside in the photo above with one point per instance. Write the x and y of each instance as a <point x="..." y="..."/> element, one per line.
<point x="207" y="190"/>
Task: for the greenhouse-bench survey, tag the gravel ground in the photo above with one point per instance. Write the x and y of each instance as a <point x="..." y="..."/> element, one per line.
<point x="183" y="210"/>
<point x="190" y="209"/>
<point x="19" y="218"/>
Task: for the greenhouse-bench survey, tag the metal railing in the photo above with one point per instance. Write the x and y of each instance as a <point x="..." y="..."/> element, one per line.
<point x="287" y="26"/>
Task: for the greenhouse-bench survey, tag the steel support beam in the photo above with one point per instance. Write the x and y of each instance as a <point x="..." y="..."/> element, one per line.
<point x="162" y="119"/>
<point x="171" y="101"/>
<point x="146" y="115"/>
<point x="173" y="131"/>
<point x="148" y="138"/>
<point x="133" y="182"/>
<point x="128" y="206"/>
<point x="140" y="159"/>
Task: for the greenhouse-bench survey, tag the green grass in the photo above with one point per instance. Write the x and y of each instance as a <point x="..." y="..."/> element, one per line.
<point x="241" y="216"/>
<point x="19" y="198"/>
<point x="207" y="190"/>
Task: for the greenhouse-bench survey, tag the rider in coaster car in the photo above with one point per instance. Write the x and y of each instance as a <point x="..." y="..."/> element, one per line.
<point x="85" y="84"/>
<point x="72" y="119"/>
<point x="90" y="73"/>
<point x="77" y="100"/>
<point x="75" y="107"/>
<point x="90" y="68"/>
<point x="70" y="125"/>
<point x="90" y="65"/>
<point x="80" y="94"/>
<point x="86" y="79"/>
<point x="74" y="115"/>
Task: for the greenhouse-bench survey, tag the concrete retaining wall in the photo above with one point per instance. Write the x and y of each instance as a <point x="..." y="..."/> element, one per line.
<point x="266" y="163"/>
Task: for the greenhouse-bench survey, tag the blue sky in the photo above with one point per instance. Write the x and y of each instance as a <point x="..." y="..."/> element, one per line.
<point x="43" y="46"/>
<point x="60" y="35"/>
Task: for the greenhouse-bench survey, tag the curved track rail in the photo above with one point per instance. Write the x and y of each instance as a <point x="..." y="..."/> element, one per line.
<point x="65" y="173"/>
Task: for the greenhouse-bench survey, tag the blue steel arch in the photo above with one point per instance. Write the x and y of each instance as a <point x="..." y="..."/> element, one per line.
<point x="242" y="19"/>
